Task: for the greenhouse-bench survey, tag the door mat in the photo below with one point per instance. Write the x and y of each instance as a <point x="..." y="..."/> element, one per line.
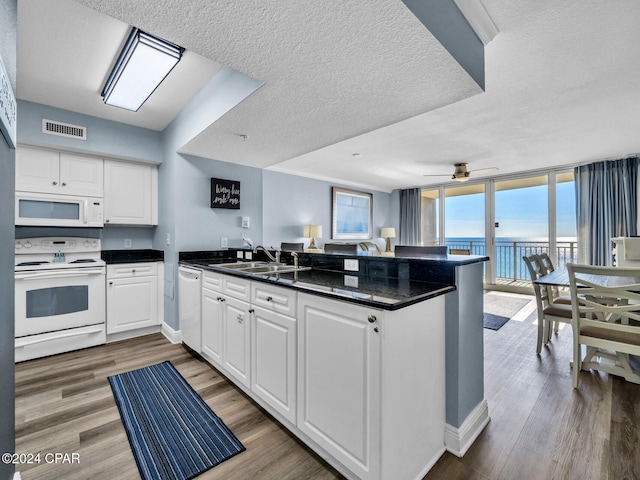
<point x="499" y="309"/>
<point x="173" y="433"/>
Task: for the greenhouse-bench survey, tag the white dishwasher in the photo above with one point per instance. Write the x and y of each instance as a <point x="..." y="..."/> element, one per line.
<point x="189" y="294"/>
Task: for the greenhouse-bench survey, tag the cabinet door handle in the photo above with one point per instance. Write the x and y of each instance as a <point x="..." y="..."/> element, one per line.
<point x="220" y="299"/>
<point x="376" y="329"/>
<point x="372" y="318"/>
<point x="55" y="183"/>
<point x="251" y="310"/>
<point x="110" y="283"/>
<point x="269" y="298"/>
<point x="64" y="184"/>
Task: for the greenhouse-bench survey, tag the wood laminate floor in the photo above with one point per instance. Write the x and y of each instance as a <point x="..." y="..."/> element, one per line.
<point x="540" y="427"/>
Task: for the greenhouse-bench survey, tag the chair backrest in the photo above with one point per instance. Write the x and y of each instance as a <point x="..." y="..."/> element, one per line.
<point x="605" y="303"/>
<point x="536" y="270"/>
<point x="546" y="261"/>
<point x="420" y="251"/>
<point x="459" y="251"/>
<point x="292" y="247"/>
<point x="369" y="246"/>
<point x="341" y="248"/>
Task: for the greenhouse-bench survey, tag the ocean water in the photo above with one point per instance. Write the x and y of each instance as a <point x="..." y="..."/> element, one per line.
<point x="510" y="250"/>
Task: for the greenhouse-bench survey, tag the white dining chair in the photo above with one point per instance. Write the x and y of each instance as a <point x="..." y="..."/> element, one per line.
<point x="605" y="319"/>
<point x="549" y="311"/>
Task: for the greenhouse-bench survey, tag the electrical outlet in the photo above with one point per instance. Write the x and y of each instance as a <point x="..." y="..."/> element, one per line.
<point x="127" y="243"/>
<point x="224" y="242"/>
<point x="167" y="239"/>
<point x="350" y="281"/>
<point x="248" y="255"/>
<point x="240" y="255"/>
<point x="351" y="265"/>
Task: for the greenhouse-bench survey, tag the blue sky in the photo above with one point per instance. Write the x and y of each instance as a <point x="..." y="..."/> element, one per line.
<point x="521" y="213"/>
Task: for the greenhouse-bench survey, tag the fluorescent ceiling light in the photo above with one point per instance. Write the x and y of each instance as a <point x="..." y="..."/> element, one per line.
<point x="143" y="64"/>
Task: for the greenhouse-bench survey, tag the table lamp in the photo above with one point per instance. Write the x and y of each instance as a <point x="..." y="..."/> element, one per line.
<point x="312" y="232"/>
<point x="388" y="233"/>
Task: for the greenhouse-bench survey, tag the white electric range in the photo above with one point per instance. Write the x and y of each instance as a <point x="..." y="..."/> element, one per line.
<point x="59" y="295"/>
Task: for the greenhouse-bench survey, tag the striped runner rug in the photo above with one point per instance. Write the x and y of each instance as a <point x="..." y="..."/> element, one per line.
<point x="173" y="433"/>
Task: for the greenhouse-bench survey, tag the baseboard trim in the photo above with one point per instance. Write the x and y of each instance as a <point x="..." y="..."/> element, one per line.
<point x="174" y="336"/>
<point x="459" y="440"/>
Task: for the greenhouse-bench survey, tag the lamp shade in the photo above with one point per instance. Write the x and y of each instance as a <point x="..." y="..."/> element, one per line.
<point x="388" y="232"/>
<point x="313" y="231"/>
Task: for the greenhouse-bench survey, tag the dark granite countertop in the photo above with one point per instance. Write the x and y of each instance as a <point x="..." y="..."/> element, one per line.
<point x="372" y="289"/>
<point x="132" y="256"/>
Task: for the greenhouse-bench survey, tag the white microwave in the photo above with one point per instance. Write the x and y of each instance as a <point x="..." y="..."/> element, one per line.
<point x="44" y="209"/>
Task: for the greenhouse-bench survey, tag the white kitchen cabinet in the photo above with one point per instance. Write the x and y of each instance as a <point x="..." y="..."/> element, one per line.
<point x="236" y="339"/>
<point x="130" y="193"/>
<point x="371" y="384"/>
<point x="49" y="171"/>
<point x="132" y="296"/>
<point x="226" y="325"/>
<point x="273" y="347"/>
<point x="338" y="380"/>
<point x="212" y="301"/>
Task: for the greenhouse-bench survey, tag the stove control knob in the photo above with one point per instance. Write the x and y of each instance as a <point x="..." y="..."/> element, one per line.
<point x="18" y="245"/>
<point x="28" y="244"/>
<point x="94" y="244"/>
<point x="87" y="243"/>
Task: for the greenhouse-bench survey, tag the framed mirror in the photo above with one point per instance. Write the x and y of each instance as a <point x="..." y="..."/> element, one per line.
<point x="352" y="214"/>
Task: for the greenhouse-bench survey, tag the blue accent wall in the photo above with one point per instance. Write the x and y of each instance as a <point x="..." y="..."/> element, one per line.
<point x="8" y="22"/>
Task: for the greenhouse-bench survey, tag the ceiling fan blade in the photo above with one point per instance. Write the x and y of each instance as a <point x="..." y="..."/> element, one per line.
<point x="436" y="175"/>
<point x="489" y="169"/>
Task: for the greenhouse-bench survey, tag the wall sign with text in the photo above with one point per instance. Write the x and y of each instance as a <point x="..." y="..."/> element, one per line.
<point x="225" y="193"/>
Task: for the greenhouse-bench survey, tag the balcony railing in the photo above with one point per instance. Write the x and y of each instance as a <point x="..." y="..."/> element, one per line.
<point x="508" y="261"/>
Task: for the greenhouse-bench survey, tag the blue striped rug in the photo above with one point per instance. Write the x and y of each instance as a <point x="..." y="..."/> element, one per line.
<point x="173" y="433"/>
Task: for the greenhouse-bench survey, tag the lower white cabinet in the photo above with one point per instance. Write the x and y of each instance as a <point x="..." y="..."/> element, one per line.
<point x="226" y="325"/>
<point x="273" y="355"/>
<point x="237" y="339"/>
<point x="132" y="296"/>
<point x="339" y="380"/>
<point x="363" y="387"/>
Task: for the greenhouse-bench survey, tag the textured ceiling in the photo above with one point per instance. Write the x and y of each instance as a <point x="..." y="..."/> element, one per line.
<point x="562" y="82"/>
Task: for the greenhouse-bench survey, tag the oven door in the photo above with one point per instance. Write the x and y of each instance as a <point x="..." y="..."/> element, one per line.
<point x="50" y="300"/>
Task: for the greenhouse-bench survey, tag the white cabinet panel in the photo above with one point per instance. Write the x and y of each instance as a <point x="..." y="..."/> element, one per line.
<point x="273" y="358"/>
<point x="130" y="196"/>
<point x="212" y="323"/>
<point x="236" y="331"/>
<point x="48" y="171"/>
<point x="339" y="381"/>
<point x="132" y="297"/>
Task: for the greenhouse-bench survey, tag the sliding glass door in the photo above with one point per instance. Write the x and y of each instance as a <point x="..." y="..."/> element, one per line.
<point x="521" y="225"/>
<point x="505" y="219"/>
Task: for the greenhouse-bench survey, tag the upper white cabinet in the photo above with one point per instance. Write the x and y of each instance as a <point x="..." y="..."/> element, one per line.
<point x="130" y="193"/>
<point x="48" y="171"/>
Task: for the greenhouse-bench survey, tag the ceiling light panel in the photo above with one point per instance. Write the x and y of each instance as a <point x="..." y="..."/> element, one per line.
<point x="142" y="65"/>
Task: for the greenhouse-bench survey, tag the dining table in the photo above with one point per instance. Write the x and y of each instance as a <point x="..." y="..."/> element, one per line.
<point x="560" y="278"/>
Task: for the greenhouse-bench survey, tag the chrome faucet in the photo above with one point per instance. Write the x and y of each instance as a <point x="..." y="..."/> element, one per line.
<point x="295" y="259"/>
<point x="271" y="257"/>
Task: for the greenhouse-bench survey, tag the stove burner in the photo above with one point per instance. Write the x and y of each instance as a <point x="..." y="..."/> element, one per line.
<point x="28" y="264"/>
<point x="84" y="260"/>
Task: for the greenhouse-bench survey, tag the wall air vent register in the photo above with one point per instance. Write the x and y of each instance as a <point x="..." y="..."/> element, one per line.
<point x="64" y="129"/>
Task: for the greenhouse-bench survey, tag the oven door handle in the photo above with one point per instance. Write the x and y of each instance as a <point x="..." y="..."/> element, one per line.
<point x="27" y="341"/>
<point x="79" y="272"/>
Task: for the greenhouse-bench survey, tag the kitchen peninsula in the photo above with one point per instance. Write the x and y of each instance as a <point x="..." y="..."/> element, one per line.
<point x="363" y="358"/>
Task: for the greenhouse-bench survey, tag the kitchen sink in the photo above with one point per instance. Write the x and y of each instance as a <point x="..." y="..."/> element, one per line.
<point x="259" y="267"/>
<point x="239" y="265"/>
<point x="274" y="268"/>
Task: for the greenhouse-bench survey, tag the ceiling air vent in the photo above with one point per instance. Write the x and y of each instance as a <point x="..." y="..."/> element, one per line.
<point x="64" y="129"/>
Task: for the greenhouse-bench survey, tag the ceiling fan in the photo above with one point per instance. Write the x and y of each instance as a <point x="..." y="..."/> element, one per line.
<point x="461" y="174"/>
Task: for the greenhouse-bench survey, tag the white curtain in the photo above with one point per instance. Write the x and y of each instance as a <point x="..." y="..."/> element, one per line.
<point x="607" y="207"/>
<point x="410" y="201"/>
